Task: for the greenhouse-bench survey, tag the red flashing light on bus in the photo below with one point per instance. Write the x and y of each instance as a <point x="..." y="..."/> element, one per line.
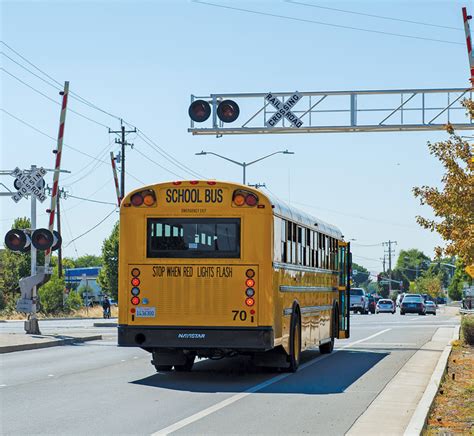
<point x="250" y="283"/>
<point x="242" y="197"/>
<point x="249" y="301"/>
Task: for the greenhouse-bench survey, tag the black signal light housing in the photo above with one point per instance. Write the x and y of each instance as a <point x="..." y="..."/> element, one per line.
<point x="18" y="240"/>
<point x="199" y="111"/>
<point x="228" y="111"/>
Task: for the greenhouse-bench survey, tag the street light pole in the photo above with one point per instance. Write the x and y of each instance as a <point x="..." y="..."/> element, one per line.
<point x="244" y="165"/>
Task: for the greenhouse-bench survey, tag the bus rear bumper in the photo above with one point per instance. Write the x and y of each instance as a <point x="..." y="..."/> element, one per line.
<point x="195" y="338"/>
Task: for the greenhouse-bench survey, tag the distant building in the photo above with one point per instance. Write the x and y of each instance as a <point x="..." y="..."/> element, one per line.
<point x="76" y="278"/>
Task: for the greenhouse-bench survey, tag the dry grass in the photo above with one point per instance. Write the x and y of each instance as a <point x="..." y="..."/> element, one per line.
<point x="452" y="412"/>
<point x="91" y="312"/>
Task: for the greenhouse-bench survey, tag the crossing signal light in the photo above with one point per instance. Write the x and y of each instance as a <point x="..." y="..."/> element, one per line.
<point x="199" y="111"/>
<point x="228" y="111"/>
<point x="42" y="239"/>
<point x="18" y="240"/>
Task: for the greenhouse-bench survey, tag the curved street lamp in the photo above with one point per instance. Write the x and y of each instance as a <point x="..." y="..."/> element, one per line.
<point x="244" y="165"/>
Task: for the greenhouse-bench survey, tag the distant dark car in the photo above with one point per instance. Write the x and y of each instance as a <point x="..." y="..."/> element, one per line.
<point x="413" y="303"/>
<point x="384" y="305"/>
<point x="440" y="300"/>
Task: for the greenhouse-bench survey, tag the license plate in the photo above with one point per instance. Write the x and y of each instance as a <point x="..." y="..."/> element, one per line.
<point x="412" y="305"/>
<point x="145" y="312"/>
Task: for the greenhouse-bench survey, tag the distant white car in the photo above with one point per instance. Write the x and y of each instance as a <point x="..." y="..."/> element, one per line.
<point x="430" y="307"/>
<point x="384" y="305"/>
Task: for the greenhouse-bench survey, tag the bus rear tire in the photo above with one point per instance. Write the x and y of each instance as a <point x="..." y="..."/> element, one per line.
<point x="295" y="341"/>
<point x="188" y="366"/>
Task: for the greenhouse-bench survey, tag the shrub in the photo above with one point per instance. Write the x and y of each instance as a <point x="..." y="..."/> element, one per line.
<point x="467" y="326"/>
<point x="73" y="301"/>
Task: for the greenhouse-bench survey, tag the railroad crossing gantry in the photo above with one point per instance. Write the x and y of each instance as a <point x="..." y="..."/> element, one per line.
<point x="330" y="111"/>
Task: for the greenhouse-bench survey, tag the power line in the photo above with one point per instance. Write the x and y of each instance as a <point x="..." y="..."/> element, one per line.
<point x="91" y="200"/>
<point x="72" y="94"/>
<point x="321" y="23"/>
<point x="90" y="230"/>
<point x="373" y="15"/>
<point x="66" y="145"/>
<point x="51" y="99"/>
<point x="167" y="155"/>
<point x="143" y="136"/>
<point x="157" y="164"/>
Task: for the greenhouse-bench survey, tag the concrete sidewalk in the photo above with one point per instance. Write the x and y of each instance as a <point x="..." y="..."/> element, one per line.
<point x="391" y="412"/>
<point x="10" y="342"/>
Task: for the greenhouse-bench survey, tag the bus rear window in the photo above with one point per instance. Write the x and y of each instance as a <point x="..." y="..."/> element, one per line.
<point x="193" y="237"/>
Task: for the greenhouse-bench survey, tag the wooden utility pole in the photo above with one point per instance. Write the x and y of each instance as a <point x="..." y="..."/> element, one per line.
<point x="123" y="142"/>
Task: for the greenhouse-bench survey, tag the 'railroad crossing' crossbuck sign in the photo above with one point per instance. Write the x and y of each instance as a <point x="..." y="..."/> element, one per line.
<point x="283" y="110"/>
<point x="29" y="183"/>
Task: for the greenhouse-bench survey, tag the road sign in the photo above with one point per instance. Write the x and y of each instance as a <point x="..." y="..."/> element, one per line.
<point x="283" y="110"/>
<point x="470" y="270"/>
<point x="24" y="305"/>
<point x="29" y="183"/>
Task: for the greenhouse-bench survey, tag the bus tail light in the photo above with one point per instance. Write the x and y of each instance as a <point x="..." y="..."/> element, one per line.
<point x="249" y="301"/>
<point x="250" y="283"/>
<point x="147" y="198"/>
<point x="135" y="301"/>
<point x="242" y="197"/>
<point x="135" y="281"/>
<point x="250" y="273"/>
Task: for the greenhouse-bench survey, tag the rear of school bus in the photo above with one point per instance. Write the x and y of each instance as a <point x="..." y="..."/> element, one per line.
<point x="195" y="271"/>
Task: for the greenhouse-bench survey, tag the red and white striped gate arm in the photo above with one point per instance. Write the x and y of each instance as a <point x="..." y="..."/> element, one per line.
<point x="57" y="166"/>
<point x="466" y="19"/>
<point x="114" y="170"/>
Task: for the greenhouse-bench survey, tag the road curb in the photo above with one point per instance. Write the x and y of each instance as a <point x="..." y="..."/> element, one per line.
<point x="420" y="416"/>
<point x="51" y="319"/>
<point x="105" y="324"/>
<point x="52" y="343"/>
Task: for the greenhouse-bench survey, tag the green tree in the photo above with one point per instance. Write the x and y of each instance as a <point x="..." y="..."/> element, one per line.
<point x="428" y="284"/>
<point x="360" y="276"/>
<point x="51" y="294"/>
<point x="87" y="260"/>
<point x="459" y="278"/>
<point x="108" y="276"/>
<point x="452" y="204"/>
<point x="400" y="276"/>
<point x="412" y="263"/>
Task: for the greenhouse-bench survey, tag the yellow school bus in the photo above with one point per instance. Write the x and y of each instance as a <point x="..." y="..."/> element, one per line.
<point x="215" y="269"/>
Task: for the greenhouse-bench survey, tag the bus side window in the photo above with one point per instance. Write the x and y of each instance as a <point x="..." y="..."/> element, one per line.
<point x="278" y="225"/>
<point x="283" y="225"/>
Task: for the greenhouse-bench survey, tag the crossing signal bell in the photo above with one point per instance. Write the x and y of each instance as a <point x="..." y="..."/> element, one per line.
<point x="227" y="111"/>
<point x="42" y="239"/>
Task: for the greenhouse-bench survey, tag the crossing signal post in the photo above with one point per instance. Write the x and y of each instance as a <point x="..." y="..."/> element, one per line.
<point x="30" y="240"/>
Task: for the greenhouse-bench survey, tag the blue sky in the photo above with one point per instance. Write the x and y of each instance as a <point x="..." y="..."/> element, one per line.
<point x="142" y="60"/>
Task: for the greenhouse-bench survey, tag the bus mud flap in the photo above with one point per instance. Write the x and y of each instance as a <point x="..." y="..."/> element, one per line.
<point x="276" y="358"/>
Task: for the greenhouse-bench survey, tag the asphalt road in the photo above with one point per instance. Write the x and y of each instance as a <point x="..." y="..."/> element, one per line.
<point x="98" y="388"/>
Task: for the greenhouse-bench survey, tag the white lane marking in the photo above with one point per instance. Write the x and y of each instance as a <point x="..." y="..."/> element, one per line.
<point x="2" y="386"/>
<point x="203" y="413"/>
<point x="50" y="375"/>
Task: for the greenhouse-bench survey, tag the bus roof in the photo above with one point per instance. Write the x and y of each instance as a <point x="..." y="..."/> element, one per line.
<point x="291" y="213"/>
<point x="280" y="208"/>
